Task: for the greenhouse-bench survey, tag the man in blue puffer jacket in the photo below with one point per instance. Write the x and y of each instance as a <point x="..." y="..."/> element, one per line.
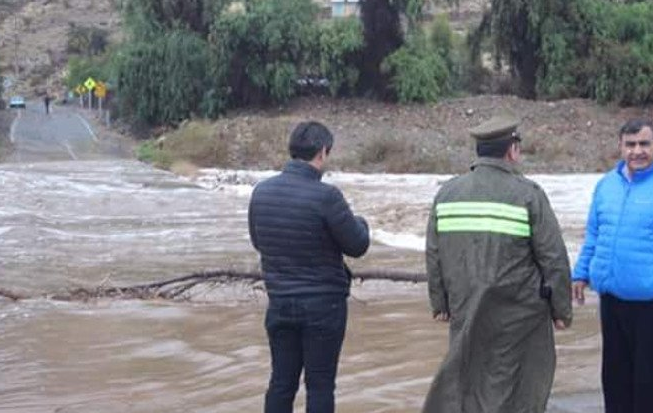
<point x="302" y="227"/>
<point x="617" y="262"/>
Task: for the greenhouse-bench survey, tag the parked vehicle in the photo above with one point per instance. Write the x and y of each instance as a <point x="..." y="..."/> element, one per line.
<point x="17" y="102"/>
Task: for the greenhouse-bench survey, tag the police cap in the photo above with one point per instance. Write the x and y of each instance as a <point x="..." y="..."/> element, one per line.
<point x="495" y="129"/>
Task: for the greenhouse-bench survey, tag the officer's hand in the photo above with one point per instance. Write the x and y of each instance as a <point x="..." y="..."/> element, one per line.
<point x="441" y="316"/>
<point x="559" y="324"/>
<point x="578" y="289"/>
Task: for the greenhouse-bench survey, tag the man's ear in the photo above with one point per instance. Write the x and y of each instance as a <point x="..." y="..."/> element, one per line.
<point x="322" y="154"/>
<point x="513" y="152"/>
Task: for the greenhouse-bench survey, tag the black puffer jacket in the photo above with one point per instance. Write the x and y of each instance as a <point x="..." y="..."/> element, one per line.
<point x="302" y="227"/>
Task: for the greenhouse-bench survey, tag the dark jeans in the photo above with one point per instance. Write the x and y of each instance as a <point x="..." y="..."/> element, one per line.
<point x="305" y="333"/>
<point x="627" y="328"/>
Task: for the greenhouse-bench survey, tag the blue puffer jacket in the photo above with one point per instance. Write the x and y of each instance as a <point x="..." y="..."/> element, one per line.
<point x="302" y="227"/>
<point x="617" y="257"/>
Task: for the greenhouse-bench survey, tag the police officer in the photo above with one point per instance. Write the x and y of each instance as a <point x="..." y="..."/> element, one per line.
<point x="498" y="273"/>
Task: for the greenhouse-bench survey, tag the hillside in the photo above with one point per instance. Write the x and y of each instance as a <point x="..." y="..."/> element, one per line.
<point x="33" y="38"/>
<point x="566" y="136"/>
<point x="33" y="34"/>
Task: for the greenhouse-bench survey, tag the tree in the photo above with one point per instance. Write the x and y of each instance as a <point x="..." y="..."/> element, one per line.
<point x="417" y="73"/>
<point x="162" y="80"/>
<point x="602" y="50"/>
<point x="564" y="48"/>
<point x="339" y="44"/>
<point x="192" y="15"/>
<point x="383" y="35"/>
<point x="257" y="55"/>
<point x="516" y="29"/>
<point x="88" y="41"/>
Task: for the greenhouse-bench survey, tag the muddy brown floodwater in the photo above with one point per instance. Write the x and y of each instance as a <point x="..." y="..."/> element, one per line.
<point x="145" y="357"/>
<point x="75" y="223"/>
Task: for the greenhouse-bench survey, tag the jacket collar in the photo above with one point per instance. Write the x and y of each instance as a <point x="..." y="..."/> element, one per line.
<point x="302" y="168"/>
<point x="622" y="170"/>
<point x="496" y="163"/>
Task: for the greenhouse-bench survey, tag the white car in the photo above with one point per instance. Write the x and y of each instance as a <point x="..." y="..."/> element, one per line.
<point x="17" y="102"/>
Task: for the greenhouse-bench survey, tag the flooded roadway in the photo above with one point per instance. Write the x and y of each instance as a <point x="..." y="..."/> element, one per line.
<point x="94" y="219"/>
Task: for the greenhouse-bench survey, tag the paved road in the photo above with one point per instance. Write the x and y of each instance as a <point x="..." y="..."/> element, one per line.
<point x="61" y="135"/>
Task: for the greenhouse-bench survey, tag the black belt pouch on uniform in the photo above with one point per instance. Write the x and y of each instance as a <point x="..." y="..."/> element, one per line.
<point x="545" y="291"/>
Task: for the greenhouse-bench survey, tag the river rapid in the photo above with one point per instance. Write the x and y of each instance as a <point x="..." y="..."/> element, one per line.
<point x="70" y="224"/>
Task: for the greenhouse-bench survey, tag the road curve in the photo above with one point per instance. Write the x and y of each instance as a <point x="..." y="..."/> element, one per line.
<point x="61" y="135"/>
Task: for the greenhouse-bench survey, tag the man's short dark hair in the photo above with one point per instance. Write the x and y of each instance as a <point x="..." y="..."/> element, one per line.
<point x="308" y="139"/>
<point x="494" y="149"/>
<point x="634" y="126"/>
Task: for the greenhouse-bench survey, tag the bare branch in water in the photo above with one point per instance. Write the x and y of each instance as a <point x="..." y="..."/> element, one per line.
<point x="178" y="288"/>
<point x="11" y="295"/>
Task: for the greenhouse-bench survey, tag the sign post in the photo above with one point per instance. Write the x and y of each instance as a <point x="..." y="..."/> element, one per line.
<point x="100" y="93"/>
<point x="80" y="90"/>
<point x="90" y="84"/>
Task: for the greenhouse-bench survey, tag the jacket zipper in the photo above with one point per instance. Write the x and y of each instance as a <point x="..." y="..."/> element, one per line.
<point x="617" y="230"/>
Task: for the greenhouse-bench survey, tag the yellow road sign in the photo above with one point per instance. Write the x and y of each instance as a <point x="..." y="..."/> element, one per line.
<point x="80" y="89"/>
<point x="90" y="83"/>
<point x="100" y="90"/>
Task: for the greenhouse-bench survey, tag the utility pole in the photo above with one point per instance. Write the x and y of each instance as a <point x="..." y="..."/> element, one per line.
<point x="16" y="45"/>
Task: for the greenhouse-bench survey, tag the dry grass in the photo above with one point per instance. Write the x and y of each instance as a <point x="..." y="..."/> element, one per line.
<point x="258" y="143"/>
<point x="261" y="142"/>
<point x="548" y="152"/>
<point x="386" y="148"/>
<point x="184" y="168"/>
<point x="198" y="143"/>
<point x="372" y="136"/>
<point x="395" y="154"/>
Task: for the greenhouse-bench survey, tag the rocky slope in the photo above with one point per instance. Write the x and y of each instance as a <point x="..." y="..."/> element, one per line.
<point x="33" y="39"/>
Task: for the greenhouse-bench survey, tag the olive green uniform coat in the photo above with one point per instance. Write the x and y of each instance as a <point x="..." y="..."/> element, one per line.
<point x="493" y="244"/>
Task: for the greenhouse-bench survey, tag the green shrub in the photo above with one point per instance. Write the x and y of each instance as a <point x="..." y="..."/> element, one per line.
<point x="464" y="74"/>
<point x="602" y="50"/>
<point x="417" y="73"/>
<point x="151" y="152"/>
<point x="81" y="68"/>
<point x="162" y="80"/>
<point x="257" y="55"/>
<point x="441" y="35"/>
<point x="340" y="42"/>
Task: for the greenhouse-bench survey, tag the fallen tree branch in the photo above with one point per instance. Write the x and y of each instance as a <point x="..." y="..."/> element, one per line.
<point x="11" y="295"/>
<point x="177" y="288"/>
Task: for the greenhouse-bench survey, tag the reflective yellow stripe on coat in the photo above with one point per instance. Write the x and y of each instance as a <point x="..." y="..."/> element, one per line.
<point x="483" y="217"/>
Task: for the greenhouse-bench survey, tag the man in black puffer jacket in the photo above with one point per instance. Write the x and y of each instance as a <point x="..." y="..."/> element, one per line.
<point x="302" y="227"/>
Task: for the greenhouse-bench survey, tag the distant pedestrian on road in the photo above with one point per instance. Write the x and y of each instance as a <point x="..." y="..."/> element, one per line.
<point x="498" y="272"/>
<point x="46" y="103"/>
<point x="616" y="261"/>
<point x="301" y="228"/>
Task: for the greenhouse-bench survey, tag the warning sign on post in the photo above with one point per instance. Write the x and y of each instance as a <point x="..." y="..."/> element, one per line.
<point x="100" y="90"/>
<point x="90" y="83"/>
